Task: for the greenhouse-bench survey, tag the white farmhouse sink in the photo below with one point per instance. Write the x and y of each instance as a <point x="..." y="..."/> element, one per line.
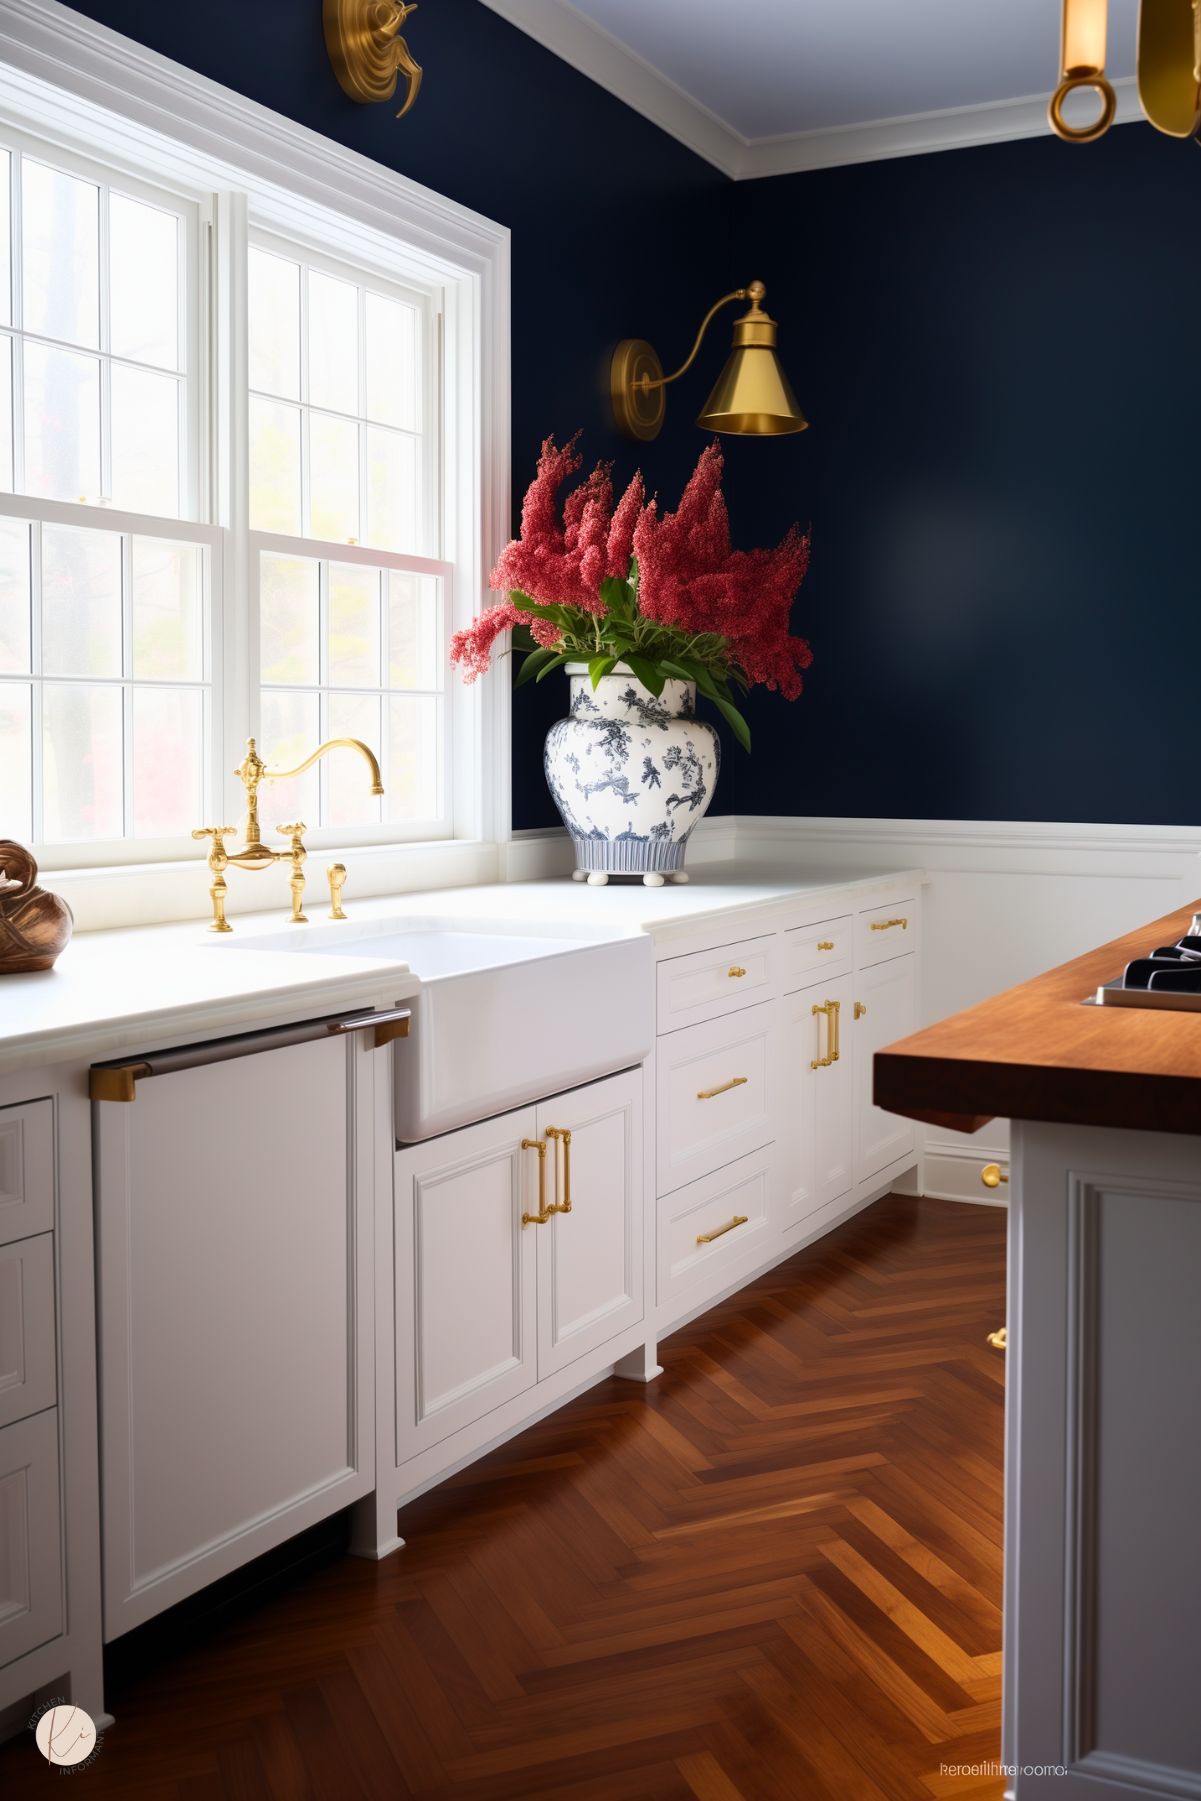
<point x="504" y="1016"/>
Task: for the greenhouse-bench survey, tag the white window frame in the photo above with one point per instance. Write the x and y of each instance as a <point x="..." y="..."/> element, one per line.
<point x="130" y="108"/>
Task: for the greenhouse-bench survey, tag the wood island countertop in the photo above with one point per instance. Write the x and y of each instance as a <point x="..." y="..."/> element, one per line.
<point x="1036" y="1052"/>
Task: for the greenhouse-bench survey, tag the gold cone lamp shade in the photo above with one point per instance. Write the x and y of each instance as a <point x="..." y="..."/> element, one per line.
<point x="751" y="396"/>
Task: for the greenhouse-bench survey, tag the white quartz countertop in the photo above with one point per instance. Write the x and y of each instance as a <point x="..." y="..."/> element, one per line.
<point x="134" y="990"/>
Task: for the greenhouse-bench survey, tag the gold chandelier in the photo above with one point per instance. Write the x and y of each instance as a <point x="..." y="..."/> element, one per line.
<point x="1169" y="66"/>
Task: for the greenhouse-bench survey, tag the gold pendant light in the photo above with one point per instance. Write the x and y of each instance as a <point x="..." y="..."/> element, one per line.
<point x="751" y="397"/>
<point x="1169" y="67"/>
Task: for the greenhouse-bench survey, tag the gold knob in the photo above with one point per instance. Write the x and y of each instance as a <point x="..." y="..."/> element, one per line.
<point x="999" y="1340"/>
<point x="860" y="1010"/>
<point x="735" y="970"/>
<point x="992" y="1175"/>
<point x="827" y="944"/>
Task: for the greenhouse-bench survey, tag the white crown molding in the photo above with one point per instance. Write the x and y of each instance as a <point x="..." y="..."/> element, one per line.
<point x="569" y="34"/>
<point x="955" y="128"/>
<point x="558" y="27"/>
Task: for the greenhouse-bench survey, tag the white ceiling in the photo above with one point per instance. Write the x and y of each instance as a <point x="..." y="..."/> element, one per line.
<point x="761" y="86"/>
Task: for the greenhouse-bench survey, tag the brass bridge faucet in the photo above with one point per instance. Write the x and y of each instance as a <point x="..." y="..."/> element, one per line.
<point x="254" y="854"/>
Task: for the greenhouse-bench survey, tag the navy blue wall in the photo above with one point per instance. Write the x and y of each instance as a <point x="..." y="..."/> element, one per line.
<point x="996" y="349"/>
<point x="617" y="230"/>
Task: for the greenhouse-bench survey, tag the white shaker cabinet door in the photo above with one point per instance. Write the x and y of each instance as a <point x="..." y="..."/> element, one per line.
<point x="590" y="1259"/>
<point x="466" y="1268"/>
<point x="233" y="1229"/>
<point x="31" y="1582"/>
<point x="818" y="1124"/>
<point x="886" y="995"/>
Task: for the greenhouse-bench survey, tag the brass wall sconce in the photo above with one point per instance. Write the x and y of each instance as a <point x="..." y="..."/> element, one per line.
<point x="1169" y="67"/>
<point x="751" y="397"/>
<point x="369" y="54"/>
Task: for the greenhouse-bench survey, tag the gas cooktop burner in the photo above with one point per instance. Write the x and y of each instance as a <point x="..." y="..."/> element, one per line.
<point x="1168" y="977"/>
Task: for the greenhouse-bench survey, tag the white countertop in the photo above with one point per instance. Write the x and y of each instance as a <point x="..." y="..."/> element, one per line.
<point x="118" y="991"/>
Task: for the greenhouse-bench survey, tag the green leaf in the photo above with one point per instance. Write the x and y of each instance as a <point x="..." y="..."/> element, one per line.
<point x="557" y="658"/>
<point x="738" y="724"/>
<point x="599" y="667"/>
<point x="617" y="596"/>
<point x="533" y="663"/>
<point x="647" y="674"/>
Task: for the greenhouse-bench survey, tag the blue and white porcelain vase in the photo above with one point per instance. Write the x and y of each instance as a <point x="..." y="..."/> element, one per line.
<point x="631" y="775"/>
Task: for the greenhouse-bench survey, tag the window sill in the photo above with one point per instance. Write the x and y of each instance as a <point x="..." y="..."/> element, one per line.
<point x="143" y="894"/>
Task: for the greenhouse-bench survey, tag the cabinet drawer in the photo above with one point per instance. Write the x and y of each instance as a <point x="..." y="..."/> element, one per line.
<point x="886" y="932"/>
<point x="26" y="1170"/>
<point x="27" y="1375"/>
<point x="31" y="1574"/>
<point x="825" y="948"/>
<point x="710" y="1230"/>
<point x="715" y="1084"/>
<point x="707" y="984"/>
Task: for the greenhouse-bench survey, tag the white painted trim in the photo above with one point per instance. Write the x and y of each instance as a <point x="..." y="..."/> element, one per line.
<point x="560" y="28"/>
<point x="588" y="47"/>
<point x="951" y="128"/>
<point x="77" y="82"/>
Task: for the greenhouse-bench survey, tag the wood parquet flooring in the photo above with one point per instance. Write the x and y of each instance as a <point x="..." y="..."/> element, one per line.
<point x="772" y="1575"/>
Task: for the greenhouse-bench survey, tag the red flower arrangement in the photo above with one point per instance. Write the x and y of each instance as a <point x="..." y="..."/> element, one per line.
<point x="662" y="593"/>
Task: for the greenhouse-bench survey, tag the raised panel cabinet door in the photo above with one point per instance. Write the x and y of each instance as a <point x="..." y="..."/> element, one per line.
<point x="888" y="993"/>
<point x="26" y="1169"/>
<point x="27" y="1361"/>
<point x="465" y="1277"/>
<point x="31" y="1583"/>
<point x="590" y="1259"/>
<point x="234" y="1217"/>
<point x="818" y="1124"/>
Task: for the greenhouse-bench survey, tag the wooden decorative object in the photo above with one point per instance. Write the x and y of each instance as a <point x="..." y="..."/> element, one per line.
<point x="35" y="926"/>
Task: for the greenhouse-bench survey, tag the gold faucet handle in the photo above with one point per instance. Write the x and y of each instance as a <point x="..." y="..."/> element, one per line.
<point x="337" y="880"/>
<point x="294" y="832"/>
<point x="216" y="832"/>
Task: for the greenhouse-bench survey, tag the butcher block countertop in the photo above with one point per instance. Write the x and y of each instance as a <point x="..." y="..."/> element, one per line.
<point x="1035" y="1052"/>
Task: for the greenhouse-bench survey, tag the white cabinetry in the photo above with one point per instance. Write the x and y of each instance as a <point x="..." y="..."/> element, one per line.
<point x="766" y="1134"/>
<point x="818" y="1136"/>
<point x="234" y="1196"/>
<point x="31" y="1593"/>
<point x="886" y="1002"/>
<point x="1103" y="1465"/>
<point x="512" y="1270"/>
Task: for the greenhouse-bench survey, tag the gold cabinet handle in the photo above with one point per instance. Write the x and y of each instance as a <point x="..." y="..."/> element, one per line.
<point x="992" y="1175"/>
<point x="116" y="1084"/>
<point x="827" y="944"/>
<point x="860" y="1010"/>
<point x="739" y="1219"/>
<point x="999" y="1340"/>
<point x="886" y="925"/>
<point x="710" y="1094"/>
<point x="387" y="1026"/>
<point x="832" y="1011"/>
<point x="543" y="1214"/>
<point x="561" y="1136"/>
<point x="735" y="971"/>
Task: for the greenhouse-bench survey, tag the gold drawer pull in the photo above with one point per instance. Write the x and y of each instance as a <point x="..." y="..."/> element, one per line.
<point x="827" y="944"/>
<point x="832" y="1011"/>
<point x="860" y="1010"/>
<point x="561" y="1136"/>
<point x="709" y="1094"/>
<point x="739" y="1219"/>
<point x="886" y="925"/>
<point x="543" y="1214"/>
<point x="992" y="1175"/>
<point x="735" y="970"/>
<point x="999" y="1340"/>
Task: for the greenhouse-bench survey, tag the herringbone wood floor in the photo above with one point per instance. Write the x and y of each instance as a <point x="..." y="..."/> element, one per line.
<point x="775" y="1574"/>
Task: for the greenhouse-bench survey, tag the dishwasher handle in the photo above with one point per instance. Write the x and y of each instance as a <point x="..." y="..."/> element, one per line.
<point x="118" y="1081"/>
